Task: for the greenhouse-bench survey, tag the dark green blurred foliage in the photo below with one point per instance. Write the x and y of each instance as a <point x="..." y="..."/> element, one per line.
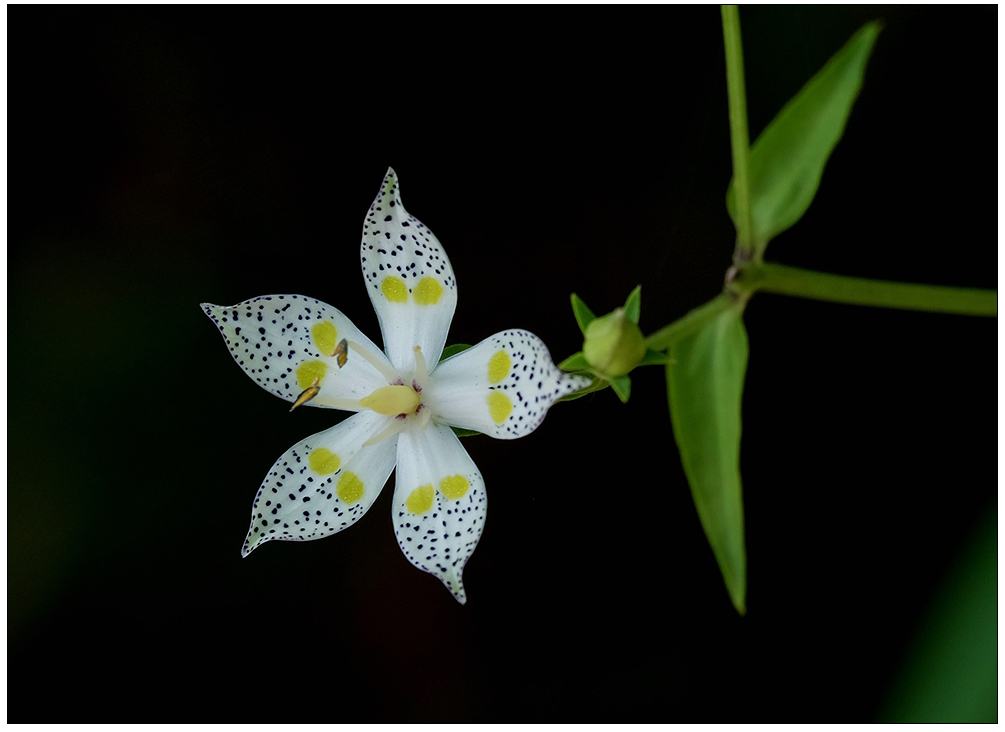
<point x="162" y="158"/>
<point x="951" y="673"/>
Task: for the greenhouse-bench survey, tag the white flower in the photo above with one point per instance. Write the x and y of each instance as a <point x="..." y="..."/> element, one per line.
<point x="308" y="352"/>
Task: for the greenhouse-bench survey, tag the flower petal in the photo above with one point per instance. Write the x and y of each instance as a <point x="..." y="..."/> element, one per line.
<point x="409" y="278"/>
<point x="502" y="387"/>
<point x="322" y="484"/>
<point x="439" y="504"/>
<point x="285" y="342"/>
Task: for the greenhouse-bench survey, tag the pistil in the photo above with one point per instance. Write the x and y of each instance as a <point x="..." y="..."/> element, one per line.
<point x="401" y="401"/>
<point x="392" y="400"/>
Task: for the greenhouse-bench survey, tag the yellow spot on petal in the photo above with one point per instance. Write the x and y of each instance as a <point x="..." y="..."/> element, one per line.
<point x="498" y="367"/>
<point x="428" y="291"/>
<point x="325" y="337"/>
<point x="394" y="289"/>
<point x="324" y="461"/>
<point x="454" y="486"/>
<point x="421" y="499"/>
<point x="349" y="488"/>
<point x="308" y="371"/>
<point x="499" y="406"/>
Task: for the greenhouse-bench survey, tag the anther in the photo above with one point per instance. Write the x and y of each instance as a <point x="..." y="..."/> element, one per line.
<point x="421" y="374"/>
<point x="394" y="428"/>
<point x="307" y="394"/>
<point x="342" y="352"/>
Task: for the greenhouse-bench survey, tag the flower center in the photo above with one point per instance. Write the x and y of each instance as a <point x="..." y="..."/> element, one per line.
<point x="399" y="400"/>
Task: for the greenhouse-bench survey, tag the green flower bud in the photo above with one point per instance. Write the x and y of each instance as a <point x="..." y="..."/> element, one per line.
<point x="614" y="344"/>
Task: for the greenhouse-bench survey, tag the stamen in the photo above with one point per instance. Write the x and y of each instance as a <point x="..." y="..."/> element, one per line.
<point x="423" y="413"/>
<point x="349" y="405"/>
<point x="307" y="394"/>
<point x="341" y="352"/>
<point x="385" y="371"/>
<point x="420" y="367"/>
<point x="396" y="426"/>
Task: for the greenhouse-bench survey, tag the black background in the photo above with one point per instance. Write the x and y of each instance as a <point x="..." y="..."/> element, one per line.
<point x="161" y="157"/>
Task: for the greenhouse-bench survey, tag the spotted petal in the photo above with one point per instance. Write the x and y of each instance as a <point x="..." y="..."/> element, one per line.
<point x="322" y="484"/>
<point x="502" y="387"/>
<point x="408" y="277"/>
<point x="285" y="342"/>
<point x="439" y="504"/>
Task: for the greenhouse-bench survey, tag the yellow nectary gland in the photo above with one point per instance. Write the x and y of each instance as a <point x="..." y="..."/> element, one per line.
<point x="392" y="400"/>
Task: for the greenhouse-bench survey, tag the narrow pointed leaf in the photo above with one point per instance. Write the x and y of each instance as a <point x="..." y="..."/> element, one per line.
<point x="788" y="158"/>
<point x="704" y="389"/>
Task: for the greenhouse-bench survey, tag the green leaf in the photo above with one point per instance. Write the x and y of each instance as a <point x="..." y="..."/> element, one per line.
<point x="704" y="389"/>
<point x="950" y="674"/>
<point x="633" y="305"/>
<point x="461" y="432"/>
<point x="454" y="350"/>
<point x="787" y="160"/>
<point x="584" y="316"/>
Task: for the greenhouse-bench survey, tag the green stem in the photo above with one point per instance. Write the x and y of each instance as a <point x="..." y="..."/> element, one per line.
<point x="778" y="278"/>
<point x="738" y="136"/>
<point x="858" y="291"/>
<point x="691" y="322"/>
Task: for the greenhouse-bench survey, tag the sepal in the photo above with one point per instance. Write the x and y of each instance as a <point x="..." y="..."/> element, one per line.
<point x="654" y="358"/>
<point x="633" y="305"/>
<point x="584" y="316"/>
<point x="622" y="386"/>
<point x="575" y="362"/>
